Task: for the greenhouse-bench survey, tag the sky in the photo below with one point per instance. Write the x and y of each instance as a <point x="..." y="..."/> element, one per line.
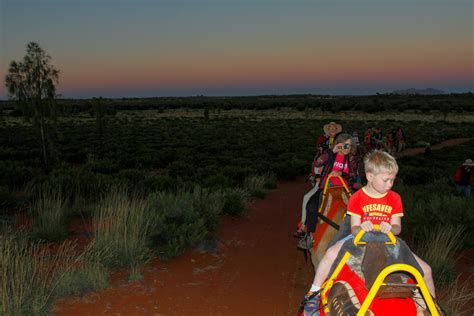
<point x="154" y="48"/>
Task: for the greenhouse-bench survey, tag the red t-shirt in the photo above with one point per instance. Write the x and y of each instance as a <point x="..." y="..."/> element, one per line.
<point x="339" y="166"/>
<point x="375" y="209"/>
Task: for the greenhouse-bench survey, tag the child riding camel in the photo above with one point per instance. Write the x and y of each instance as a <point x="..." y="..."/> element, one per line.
<point x="337" y="161"/>
<point x="374" y="204"/>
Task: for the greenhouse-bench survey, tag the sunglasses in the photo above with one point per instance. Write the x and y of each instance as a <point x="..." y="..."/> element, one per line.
<point x="346" y="146"/>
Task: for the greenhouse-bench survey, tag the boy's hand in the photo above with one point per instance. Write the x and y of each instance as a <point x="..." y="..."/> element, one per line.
<point x="385" y="227"/>
<point x="367" y="226"/>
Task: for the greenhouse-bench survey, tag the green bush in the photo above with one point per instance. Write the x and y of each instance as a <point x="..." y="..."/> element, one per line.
<point x="49" y="215"/>
<point x="236" y="201"/>
<point x="88" y="273"/>
<point x="176" y="223"/>
<point x="88" y="277"/>
<point x="270" y="181"/>
<point x="30" y="273"/>
<point x="209" y="204"/>
<point x="121" y="225"/>
<point x="73" y="182"/>
<point x="153" y="183"/>
<point x="438" y="246"/>
<point x="255" y="185"/>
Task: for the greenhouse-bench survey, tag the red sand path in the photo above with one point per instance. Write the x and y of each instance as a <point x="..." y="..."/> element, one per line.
<point x="256" y="270"/>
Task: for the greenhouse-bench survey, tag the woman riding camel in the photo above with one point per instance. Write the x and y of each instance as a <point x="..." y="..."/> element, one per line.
<point x="323" y="143"/>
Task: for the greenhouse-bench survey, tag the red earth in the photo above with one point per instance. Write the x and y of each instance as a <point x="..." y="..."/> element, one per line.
<point x="255" y="269"/>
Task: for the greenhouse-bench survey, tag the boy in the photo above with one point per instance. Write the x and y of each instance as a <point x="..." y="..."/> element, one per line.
<point x="375" y="203"/>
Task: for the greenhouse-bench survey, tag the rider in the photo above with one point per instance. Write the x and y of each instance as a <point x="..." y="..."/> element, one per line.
<point x="323" y="143"/>
<point x="462" y="177"/>
<point x="375" y="203"/>
<point x="337" y="161"/>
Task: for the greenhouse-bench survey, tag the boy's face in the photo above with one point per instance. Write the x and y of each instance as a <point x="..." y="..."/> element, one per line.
<point x="381" y="182"/>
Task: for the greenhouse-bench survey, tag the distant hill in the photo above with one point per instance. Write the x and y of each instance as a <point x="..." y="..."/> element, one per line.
<point x="413" y="91"/>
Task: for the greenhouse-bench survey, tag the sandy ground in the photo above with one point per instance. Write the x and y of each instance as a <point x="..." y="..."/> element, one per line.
<point x="254" y="269"/>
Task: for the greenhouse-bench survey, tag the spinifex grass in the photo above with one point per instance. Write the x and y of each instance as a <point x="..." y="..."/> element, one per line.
<point x="121" y="225"/>
<point x="88" y="274"/>
<point x="255" y="185"/>
<point x="236" y="201"/>
<point x="456" y="296"/>
<point x="438" y="247"/>
<point x="177" y="223"/>
<point x="49" y="212"/>
<point x="30" y="273"/>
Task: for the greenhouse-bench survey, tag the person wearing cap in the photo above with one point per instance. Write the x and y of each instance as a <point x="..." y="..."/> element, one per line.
<point x="330" y="131"/>
<point x="462" y="177"/>
<point x="323" y="143"/>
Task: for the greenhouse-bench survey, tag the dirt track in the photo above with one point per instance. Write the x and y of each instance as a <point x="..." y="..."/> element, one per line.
<point x="254" y="270"/>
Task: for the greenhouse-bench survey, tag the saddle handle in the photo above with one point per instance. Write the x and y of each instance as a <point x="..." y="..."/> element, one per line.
<point x="326" y="185"/>
<point x="340" y="179"/>
<point x="360" y="234"/>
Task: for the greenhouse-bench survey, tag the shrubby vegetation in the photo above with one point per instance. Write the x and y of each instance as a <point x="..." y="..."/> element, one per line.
<point x="438" y="222"/>
<point x="32" y="275"/>
<point x="444" y="103"/>
<point x="159" y="185"/>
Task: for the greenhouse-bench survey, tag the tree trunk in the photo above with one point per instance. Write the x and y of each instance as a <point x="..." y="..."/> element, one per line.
<point x="43" y="141"/>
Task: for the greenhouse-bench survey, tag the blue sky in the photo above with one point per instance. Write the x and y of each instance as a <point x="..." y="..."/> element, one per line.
<point x="147" y="48"/>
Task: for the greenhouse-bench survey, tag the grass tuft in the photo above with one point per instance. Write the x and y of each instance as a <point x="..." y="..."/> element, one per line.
<point x="49" y="215"/>
<point x="121" y="228"/>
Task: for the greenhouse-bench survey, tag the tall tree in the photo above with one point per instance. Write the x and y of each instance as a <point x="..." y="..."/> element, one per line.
<point x="32" y="83"/>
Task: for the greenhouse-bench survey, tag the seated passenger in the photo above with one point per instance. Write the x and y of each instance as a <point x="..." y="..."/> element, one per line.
<point x="375" y="203"/>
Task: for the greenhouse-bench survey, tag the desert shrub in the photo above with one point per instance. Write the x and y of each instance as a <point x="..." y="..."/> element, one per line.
<point x="7" y="199"/>
<point x="216" y="181"/>
<point x="181" y="168"/>
<point x="236" y="174"/>
<point x="416" y="175"/>
<point x="270" y="181"/>
<point x="235" y="201"/>
<point x="255" y="185"/>
<point x="289" y="169"/>
<point x="88" y="274"/>
<point x="435" y="203"/>
<point x="16" y="174"/>
<point x="209" y="204"/>
<point x="74" y="183"/>
<point x="176" y="223"/>
<point x="456" y="296"/>
<point x="131" y="177"/>
<point x="30" y="274"/>
<point x="104" y="166"/>
<point x="49" y="215"/>
<point x="437" y="246"/>
<point x="120" y="223"/>
<point x="153" y="183"/>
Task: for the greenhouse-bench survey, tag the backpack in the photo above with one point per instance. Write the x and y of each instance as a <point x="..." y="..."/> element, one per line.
<point x="457" y="175"/>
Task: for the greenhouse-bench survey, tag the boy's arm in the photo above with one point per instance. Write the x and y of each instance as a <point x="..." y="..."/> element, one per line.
<point x="355" y="224"/>
<point x="396" y="223"/>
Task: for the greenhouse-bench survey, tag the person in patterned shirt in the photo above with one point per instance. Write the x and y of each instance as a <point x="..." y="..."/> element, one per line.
<point x="374" y="204"/>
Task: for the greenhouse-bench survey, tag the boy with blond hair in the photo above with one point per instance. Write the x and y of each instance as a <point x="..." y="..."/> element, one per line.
<point x="374" y="204"/>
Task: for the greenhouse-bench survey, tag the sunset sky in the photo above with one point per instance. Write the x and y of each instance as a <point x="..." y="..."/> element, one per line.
<point x="147" y="48"/>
